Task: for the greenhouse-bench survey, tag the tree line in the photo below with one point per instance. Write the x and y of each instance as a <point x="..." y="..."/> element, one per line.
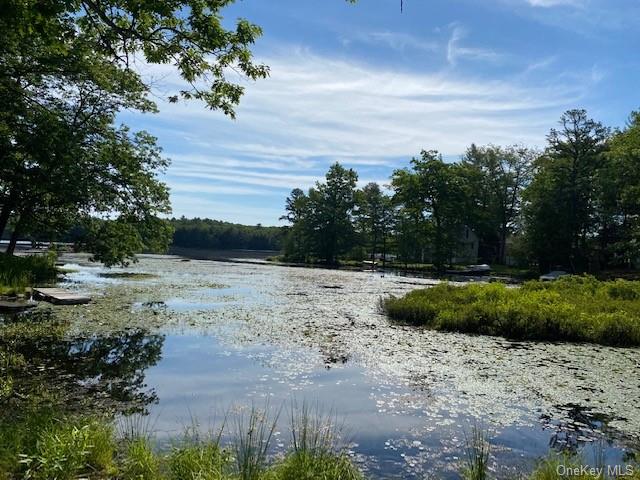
<point x="218" y="235"/>
<point x="575" y="205"/>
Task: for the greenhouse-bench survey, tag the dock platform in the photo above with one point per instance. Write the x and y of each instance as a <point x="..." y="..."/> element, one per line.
<point x="58" y="296"/>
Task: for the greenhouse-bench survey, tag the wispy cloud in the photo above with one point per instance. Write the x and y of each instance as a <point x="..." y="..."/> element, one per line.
<point x="555" y="3"/>
<point x="455" y="50"/>
<point x="314" y="110"/>
<point x="399" y="41"/>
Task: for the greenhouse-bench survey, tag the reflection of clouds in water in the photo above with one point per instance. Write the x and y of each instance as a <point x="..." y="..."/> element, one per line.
<point x="431" y="384"/>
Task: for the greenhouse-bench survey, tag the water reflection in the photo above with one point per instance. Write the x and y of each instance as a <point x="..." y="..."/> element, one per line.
<point x="107" y="372"/>
<point x="580" y="426"/>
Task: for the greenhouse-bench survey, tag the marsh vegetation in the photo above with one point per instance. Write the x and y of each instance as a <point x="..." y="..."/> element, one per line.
<point x="577" y="309"/>
<point x="19" y="273"/>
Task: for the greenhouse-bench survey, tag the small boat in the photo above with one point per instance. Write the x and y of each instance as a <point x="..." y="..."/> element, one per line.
<point x="369" y="265"/>
<point x="553" y="275"/>
<point x="482" y="269"/>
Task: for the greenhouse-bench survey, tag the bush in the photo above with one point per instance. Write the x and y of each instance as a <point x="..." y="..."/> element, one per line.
<point x="574" y="308"/>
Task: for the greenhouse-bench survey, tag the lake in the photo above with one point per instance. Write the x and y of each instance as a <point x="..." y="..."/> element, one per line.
<point x="191" y="341"/>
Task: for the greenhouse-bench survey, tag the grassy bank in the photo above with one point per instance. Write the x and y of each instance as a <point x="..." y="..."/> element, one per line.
<point x="38" y="444"/>
<point x="18" y="273"/>
<point x="580" y="309"/>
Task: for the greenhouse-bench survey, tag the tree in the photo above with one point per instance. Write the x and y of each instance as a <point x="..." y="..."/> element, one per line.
<point x="561" y="216"/>
<point x="373" y="216"/>
<point x="322" y="222"/>
<point x="332" y="205"/>
<point x="496" y="177"/>
<point x="67" y="70"/>
<point x="434" y="194"/>
<point x="297" y="241"/>
<point x="619" y="197"/>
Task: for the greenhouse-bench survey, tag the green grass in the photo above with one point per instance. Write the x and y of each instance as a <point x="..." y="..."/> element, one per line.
<point x="40" y="442"/>
<point x="18" y="273"/>
<point x="578" y="308"/>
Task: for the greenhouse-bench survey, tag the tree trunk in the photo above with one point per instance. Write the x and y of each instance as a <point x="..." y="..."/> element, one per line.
<point x="14" y="240"/>
<point x="4" y="216"/>
<point x="502" y="250"/>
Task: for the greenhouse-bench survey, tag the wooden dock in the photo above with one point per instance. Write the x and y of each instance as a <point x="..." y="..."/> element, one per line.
<point x="58" y="296"/>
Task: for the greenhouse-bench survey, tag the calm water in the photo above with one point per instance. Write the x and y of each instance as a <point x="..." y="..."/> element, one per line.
<point x="211" y="337"/>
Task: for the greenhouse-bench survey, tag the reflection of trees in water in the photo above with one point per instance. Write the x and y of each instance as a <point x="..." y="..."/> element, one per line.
<point x="106" y="372"/>
<point x="115" y="366"/>
<point x="579" y="426"/>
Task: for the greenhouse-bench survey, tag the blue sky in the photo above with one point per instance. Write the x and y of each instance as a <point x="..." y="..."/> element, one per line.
<point x="370" y="87"/>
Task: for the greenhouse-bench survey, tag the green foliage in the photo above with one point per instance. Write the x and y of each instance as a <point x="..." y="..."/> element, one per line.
<point x="251" y="444"/>
<point x="323" y="219"/>
<point x="494" y="180"/>
<point x="374" y="218"/>
<point x="580" y="309"/>
<point x="115" y="242"/>
<point x="561" y="213"/>
<point x="576" y="205"/>
<point x="42" y="443"/>
<point x="67" y="450"/>
<point x="432" y="195"/>
<point x="17" y="273"/>
<point x="66" y="75"/>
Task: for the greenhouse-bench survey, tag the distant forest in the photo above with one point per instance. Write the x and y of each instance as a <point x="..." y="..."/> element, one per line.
<point x="216" y="235"/>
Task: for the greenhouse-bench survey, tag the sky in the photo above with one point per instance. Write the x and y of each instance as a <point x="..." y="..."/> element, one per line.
<point x="370" y="86"/>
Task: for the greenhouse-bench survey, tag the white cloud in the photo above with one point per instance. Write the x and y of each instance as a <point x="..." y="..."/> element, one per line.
<point x="314" y="110"/>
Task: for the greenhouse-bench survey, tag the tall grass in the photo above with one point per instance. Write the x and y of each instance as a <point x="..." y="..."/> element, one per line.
<point x="578" y="308"/>
<point x="18" y="273"/>
<point x="316" y="450"/>
<point x="253" y="435"/>
<point x="477" y="450"/>
<point x="39" y="444"/>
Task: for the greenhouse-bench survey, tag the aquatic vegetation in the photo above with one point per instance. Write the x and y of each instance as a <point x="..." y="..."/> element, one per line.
<point x="254" y="432"/>
<point x="477" y="455"/>
<point x="128" y="275"/>
<point x="18" y="273"/>
<point x="557" y="466"/>
<point x="580" y="309"/>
